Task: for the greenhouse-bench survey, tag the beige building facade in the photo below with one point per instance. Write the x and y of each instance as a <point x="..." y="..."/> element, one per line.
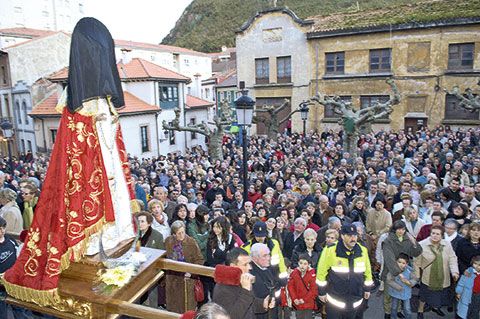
<point x="352" y="55"/>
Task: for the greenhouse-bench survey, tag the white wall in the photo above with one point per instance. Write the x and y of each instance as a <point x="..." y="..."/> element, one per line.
<point x="38" y="58"/>
<point x="252" y="44"/>
<point x="41" y="14"/>
<point x="143" y="90"/>
<point x="200" y="115"/>
<point x="132" y="135"/>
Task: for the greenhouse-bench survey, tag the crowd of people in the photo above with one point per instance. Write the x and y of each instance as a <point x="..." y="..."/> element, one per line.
<point x="404" y="212"/>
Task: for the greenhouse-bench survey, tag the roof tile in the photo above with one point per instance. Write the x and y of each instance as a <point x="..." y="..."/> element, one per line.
<point x="136" y="69"/>
<point x="193" y="102"/>
<point x="133" y="104"/>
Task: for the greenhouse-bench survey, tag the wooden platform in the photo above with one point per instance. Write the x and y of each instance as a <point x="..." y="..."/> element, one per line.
<point x="80" y="299"/>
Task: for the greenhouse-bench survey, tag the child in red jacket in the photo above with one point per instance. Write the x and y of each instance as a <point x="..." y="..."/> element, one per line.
<point x="302" y="288"/>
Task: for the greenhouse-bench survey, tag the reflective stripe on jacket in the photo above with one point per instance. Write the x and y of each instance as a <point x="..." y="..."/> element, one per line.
<point x="344" y="275"/>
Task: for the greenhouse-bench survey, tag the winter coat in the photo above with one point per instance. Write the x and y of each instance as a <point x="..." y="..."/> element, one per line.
<point x="302" y="249"/>
<point x="303" y="287"/>
<point x="424" y="261"/>
<point x="465" y="290"/>
<point x="176" y="283"/>
<point x="378" y="222"/>
<point x="200" y="235"/>
<point x="215" y="255"/>
<point x="465" y="251"/>
<point x="398" y="289"/>
<point x="392" y="247"/>
<point x="228" y="293"/>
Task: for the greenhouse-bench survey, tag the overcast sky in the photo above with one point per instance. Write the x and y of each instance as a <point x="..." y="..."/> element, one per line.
<point x="138" y="20"/>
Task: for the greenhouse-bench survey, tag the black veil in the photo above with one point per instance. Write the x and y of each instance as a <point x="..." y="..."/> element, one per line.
<point x="93" y="71"/>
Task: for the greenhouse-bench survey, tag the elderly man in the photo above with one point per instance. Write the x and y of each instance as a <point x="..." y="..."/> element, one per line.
<point x="160" y="193"/>
<point x="325" y="211"/>
<point x="294" y="238"/>
<point x="333" y="223"/>
<point x="233" y="289"/>
<point x="259" y="232"/>
<point x="470" y="199"/>
<point x="266" y="283"/>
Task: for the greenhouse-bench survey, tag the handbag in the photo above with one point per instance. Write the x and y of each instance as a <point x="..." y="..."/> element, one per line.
<point x="198" y="290"/>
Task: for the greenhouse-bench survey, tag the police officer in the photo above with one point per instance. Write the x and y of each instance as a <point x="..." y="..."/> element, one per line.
<point x="344" y="276"/>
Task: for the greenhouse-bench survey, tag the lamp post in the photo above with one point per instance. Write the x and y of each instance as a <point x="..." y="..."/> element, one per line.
<point x="8" y="132"/>
<point x="304" y="115"/>
<point x="245" y="106"/>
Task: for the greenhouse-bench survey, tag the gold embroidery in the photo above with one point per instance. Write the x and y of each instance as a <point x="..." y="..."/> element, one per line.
<point x="31" y="265"/>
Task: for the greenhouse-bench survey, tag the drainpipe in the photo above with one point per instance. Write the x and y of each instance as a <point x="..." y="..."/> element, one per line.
<point x="43" y="135"/>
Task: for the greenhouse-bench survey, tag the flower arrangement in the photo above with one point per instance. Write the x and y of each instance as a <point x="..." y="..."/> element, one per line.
<point x="114" y="278"/>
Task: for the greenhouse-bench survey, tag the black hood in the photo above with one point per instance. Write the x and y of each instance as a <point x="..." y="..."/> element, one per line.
<point x="92" y="72"/>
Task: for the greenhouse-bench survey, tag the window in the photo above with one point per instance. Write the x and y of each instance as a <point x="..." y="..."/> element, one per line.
<point x="186" y="62"/>
<point x="4" y="75"/>
<point x="284" y="69"/>
<point x="455" y="112"/>
<point x="460" y="56"/>
<point x="335" y="63"/>
<point x="380" y="60"/>
<point x="23" y="145"/>
<point x="189" y="90"/>
<point x="193" y="135"/>
<point x="144" y="137"/>
<point x="171" y="135"/>
<point x="168" y="96"/>
<point x="261" y="71"/>
<point x="330" y="114"/>
<point x="24" y="109"/>
<point x="207" y="93"/>
<point x="80" y="7"/>
<point x="367" y="101"/>
<point x="29" y="143"/>
<point x="17" y="109"/>
<point x="53" y="135"/>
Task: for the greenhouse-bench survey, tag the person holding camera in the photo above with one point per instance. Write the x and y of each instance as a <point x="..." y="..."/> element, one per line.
<point x="233" y="289"/>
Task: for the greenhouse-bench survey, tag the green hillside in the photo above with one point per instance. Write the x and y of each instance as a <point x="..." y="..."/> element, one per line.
<point x="206" y="25"/>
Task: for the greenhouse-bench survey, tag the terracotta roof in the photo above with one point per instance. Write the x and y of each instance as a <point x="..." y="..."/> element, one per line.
<point x="156" y="47"/>
<point x="194" y="102"/>
<point x="136" y="69"/>
<point x="25" y="32"/>
<point x="133" y="104"/>
<point x="415" y="14"/>
<point x="141" y="69"/>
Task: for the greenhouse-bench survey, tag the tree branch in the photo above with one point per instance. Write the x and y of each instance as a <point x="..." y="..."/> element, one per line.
<point x="288" y="116"/>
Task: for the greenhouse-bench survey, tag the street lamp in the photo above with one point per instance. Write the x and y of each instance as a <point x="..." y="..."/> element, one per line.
<point x="304" y="115"/>
<point x="8" y="132"/>
<point x="245" y="106"/>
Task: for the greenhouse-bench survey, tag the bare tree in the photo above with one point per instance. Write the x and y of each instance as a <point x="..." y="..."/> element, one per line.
<point x="467" y="100"/>
<point x="353" y="120"/>
<point x="215" y="131"/>
<point x="268" y="115"/>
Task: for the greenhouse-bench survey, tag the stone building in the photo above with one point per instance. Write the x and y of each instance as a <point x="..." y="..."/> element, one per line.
<point x="273" y="60"/>
<point x="425" y="47"/>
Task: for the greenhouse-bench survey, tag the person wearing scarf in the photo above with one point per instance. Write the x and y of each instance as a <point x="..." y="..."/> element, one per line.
<point x="181" y="247"/>
<point x="435" y="264"/>
<point x="149" y="237"/>
<point x="30" y="199"/>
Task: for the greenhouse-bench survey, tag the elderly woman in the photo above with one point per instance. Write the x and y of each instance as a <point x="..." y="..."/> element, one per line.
<point x="379" y="220"/>
<point x="181" y="247"/>
<point x="149" y="237"/>
<point x="435" y="265"/>
<point x="308" y="246"/>
<point x="10" y="211"/>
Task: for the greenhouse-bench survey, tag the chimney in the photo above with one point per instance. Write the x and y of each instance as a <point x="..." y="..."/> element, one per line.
<point x="126" y="55"/>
